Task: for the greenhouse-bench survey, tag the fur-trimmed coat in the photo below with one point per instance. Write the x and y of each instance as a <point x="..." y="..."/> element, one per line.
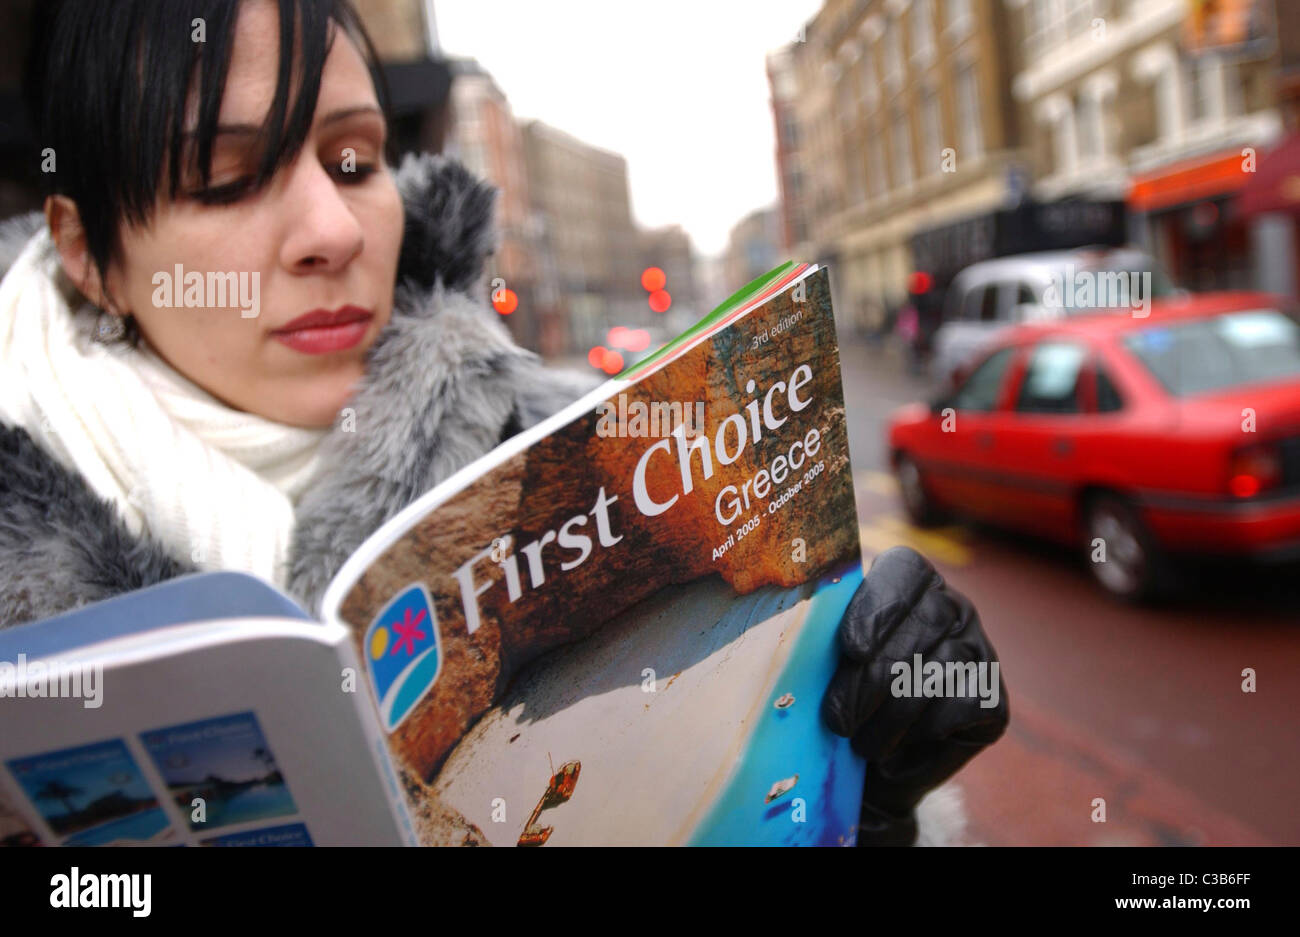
<point x="444" y="385"/>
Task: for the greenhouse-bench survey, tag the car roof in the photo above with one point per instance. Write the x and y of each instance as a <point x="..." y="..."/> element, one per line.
<point x="1104" y="324"/>
<point x="1043" y="263"/>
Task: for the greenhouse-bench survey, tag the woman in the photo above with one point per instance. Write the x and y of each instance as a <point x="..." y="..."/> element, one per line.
<point x="151" y="424"/>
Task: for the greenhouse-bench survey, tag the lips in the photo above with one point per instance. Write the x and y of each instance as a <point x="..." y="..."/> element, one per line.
<point x="321" y="331"/>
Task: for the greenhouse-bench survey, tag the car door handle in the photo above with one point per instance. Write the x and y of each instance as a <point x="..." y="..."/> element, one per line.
<point x="1062" y="446"/>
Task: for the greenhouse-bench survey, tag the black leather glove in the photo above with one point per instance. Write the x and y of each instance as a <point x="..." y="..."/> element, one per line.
<point x="912" y="744"/>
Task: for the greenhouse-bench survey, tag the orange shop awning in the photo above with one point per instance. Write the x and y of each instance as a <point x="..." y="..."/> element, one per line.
<point x="1189" y="181"/>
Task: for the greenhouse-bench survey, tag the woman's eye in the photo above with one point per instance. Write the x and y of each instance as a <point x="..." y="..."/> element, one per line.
<point x="348" y="172"/>
<point x="224" y="194"/>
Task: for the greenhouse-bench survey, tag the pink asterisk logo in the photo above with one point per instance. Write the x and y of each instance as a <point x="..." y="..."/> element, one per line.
<point x="408" y="631"/>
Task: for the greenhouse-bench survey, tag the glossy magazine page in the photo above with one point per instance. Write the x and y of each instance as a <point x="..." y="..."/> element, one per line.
<point x="618" y="627"/>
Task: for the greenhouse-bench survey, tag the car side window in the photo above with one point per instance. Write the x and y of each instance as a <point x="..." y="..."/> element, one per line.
<point x="1108" y="398"/>
<point x="973" y="301"/>
<point x="1051" y="382"/>
<point x="989" y="307"/>
<point x="980" y="391"/>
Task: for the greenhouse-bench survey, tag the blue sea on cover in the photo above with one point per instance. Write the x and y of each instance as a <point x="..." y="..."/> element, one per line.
<point x="796" y="740"/>
<point x="254" y="803"/>
<point x="138" y="827"/>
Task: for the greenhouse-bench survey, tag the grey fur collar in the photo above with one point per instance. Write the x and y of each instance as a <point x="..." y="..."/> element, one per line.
<point x="444" y="385"/>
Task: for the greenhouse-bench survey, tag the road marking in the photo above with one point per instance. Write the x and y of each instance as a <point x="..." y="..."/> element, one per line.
<point x="945" y="545"/>
<point x="881" y="483"/>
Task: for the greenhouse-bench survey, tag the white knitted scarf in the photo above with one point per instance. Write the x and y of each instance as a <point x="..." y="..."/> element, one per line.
<point x="213" y="484"/>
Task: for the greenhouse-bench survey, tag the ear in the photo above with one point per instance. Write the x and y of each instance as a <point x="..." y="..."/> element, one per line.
<point x="449" y="227"/>
<point x="69" y="236"/>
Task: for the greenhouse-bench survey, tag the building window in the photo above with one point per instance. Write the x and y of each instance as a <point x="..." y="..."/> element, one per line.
<point x="893" y="41"/>
<point x="1078" y="16"/>
<point x="789" y="131"/>
<point x="877" y="170"/>
<point x="902" y="139"/>
<point x="923" y="30"/>
<point x="1050" y="22"/>
<point x="932" y="133"/>
<point x="1210" y="81"/>
<point x="854" y="167"/>
<point x="845" y="104"/>
<point x="958" y="19"/>
<point x="1090" y="127"/>
<point x="867" y="80"/>
<point x="970" y="126"/>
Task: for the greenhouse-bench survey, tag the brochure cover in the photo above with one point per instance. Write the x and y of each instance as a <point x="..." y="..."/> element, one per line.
<point x="618" y="627"/>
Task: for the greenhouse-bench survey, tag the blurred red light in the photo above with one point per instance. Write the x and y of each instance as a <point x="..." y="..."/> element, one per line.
<point x="506" y="303"/>
<point x="613" y="362"/>
<point x="660" y="301"/>
<point x="653" y="279"/>
<point x="1254" y="469"/>
<point x="919" y="283"/>
<point x="617" y="336"/>
<point x="637" y="340"/>
<point x="596" y="357"/>
<point x="1244" y="486"/>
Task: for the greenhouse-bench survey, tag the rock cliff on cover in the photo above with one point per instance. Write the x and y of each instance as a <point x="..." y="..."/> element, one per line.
<point x="579" y="483"/>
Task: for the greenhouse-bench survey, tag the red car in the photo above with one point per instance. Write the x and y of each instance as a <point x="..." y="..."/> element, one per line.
<point x="1135" y="438"/>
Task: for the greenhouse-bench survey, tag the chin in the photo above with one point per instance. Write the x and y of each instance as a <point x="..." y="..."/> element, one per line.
<point x="314" y="402"/>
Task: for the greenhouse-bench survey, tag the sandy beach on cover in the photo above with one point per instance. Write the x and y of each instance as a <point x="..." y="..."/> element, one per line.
<point x="652" y="762"/>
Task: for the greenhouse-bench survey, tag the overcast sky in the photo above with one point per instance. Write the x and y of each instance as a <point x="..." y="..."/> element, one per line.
<point x="677" y="87"/>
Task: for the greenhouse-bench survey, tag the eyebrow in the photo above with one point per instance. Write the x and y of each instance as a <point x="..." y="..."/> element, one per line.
<point x="332" y="117"/>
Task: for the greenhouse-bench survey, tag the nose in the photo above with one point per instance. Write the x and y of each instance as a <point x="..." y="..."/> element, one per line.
<point x="324" y="234"/>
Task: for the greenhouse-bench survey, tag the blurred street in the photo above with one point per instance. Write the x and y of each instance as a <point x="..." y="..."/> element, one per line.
<point x="1140" y="706"/>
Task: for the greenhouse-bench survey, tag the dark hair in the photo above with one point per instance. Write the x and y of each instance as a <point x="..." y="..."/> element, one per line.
<point x="107" y="86"/>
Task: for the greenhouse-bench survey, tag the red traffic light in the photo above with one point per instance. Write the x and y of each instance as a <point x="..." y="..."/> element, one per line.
<point x="653" y="279"/>
<point x="505" y="302"/>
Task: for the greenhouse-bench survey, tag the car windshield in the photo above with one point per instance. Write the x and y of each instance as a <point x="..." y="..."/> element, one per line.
<point x="1220" y="352"/>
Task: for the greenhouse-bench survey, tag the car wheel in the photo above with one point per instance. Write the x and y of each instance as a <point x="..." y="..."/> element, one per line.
<point x="1120" y="551"/>
<point x="920" y="508"/>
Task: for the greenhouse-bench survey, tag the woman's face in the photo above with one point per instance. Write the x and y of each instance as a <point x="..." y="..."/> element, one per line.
<point x="322" y="237"/>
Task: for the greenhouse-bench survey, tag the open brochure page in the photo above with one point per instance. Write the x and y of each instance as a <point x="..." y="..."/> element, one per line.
<point x="233" y="733"/>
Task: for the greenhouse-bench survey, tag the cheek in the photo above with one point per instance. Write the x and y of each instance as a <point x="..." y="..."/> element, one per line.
<point x="384" y="223"/>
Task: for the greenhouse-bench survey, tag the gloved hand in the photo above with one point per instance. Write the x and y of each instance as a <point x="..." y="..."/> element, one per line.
<point x="912" y="744"/>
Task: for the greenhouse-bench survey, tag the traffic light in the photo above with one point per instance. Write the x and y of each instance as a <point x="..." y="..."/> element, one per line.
<point x="653" y="280"/>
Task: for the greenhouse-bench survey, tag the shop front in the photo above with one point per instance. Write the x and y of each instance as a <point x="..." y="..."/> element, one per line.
<point x="1187" y="217"/>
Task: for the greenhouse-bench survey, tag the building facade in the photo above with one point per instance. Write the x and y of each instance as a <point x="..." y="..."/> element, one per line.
<point x="904" y="123"/>
<point x="1123" y="105"/>
<point x="754" y="246"/>
<point x="669" y="248"/>
<point x="486" y="137"/>
<point x="582" y="197"/>
<point x="790" y="162"/>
